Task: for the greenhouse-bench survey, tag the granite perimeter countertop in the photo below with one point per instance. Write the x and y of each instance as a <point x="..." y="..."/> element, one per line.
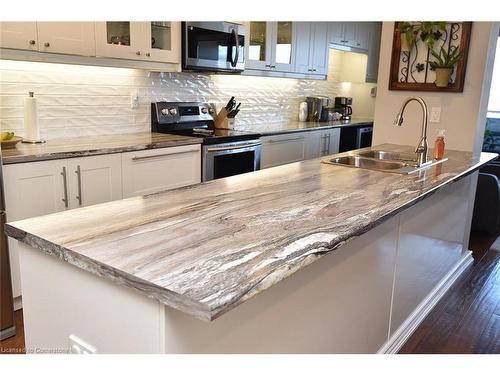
<point x="94" y="145"/>
<point x="206" y="248"/>
<point x="297" y="126"/>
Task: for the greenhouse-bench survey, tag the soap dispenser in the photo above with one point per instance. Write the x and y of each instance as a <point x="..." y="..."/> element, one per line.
<point x="439" y="145"/>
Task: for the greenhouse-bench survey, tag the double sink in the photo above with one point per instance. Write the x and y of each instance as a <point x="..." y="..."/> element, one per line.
<point x="385" y="161"/>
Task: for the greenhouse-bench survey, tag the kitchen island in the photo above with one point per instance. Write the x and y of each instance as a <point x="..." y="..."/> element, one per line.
<point x="305" y="257"/>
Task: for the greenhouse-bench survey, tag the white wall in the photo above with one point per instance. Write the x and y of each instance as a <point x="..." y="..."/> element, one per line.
<point x="462" y="114"/>
<point x="85" y="100"/>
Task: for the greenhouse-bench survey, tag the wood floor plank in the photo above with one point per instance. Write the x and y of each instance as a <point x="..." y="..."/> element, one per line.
<point x="489" y="342"/>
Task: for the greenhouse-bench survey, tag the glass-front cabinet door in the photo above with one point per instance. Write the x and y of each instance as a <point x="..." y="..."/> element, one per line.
<point x="121" y="39"/>
<point x="157" y="41"/>
<point x="258" y="49"/>
<point x="282" y="46"/>
<point x="163" y="39"/>
<point x="270" y="46"/>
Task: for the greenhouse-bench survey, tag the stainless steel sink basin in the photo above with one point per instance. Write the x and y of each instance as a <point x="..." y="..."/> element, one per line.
<point x="383" y="161"/>
<point x="389" y="155"/>
<point x="367" y="163"/>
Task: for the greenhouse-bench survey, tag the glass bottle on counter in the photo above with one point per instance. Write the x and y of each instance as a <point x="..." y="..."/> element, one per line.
<point x="439" y="145"/>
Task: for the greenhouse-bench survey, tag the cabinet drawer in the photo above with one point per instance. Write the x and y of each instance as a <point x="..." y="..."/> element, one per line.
<point x="282" y="149"/>
<point x="150" y="171"/>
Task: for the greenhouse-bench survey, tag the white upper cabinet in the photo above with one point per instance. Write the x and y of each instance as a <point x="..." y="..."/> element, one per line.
<point x="320" y="46"/>
<point x="163" y="40"/>
<point x="311" y="47"/>
<point x="120" y="39"/>
<point x="72" y="38"/>
<point x="270" y="46"/>
<point x="258" y="45"/>
<point x="18" y="35"/>
<point x="350" y="34"/>
<point x="150" y="41"/>
<point x="373" y="52"/>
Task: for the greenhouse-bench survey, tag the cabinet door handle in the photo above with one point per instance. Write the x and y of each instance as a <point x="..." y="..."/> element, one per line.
<point x="268" y="65"/>
<point x="138" y="53"/>
<point x="32" y="42"/>
<point x="65" y="186"/>
<point x="148" y="54"/>
<point x="136" y="158"/>
<point x="273" y="66"/>
<point x="79" y="180"/>
<point x="46" y="44"/>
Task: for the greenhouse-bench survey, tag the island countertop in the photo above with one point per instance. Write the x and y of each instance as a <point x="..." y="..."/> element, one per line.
<point x="206" y="248"/>
<point x="94" y="145"/>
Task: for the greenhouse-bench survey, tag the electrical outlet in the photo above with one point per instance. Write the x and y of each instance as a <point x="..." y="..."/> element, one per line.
<point x="435" y="114"/>
<point x="78" y="346"/>
<point x="134" y="99"/>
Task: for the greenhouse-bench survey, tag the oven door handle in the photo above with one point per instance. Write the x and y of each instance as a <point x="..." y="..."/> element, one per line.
<point x="236" y="46"/>
<point x="215" y="149"/>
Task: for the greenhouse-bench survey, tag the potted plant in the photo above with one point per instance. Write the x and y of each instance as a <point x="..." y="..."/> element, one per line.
<point x="408" y="35"/>
<point x="444" y="64"/>
<point x="431" y="31"/>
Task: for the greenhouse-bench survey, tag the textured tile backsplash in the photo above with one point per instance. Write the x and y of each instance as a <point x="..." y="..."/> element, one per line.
<point x="84" y="100"/>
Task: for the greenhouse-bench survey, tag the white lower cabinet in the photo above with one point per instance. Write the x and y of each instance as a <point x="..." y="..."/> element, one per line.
<point x="322" y="143"/>
<point x="44" y="187"/>
<point x="31" y="189"/>
<point x="147" y="172"/>
<point x="289" y="148"/>
<point x="283" y="149"/>
<point x="94" y="180"/>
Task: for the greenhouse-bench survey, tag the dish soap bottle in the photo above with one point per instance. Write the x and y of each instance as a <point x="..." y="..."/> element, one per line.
<point x="439" y="145"/>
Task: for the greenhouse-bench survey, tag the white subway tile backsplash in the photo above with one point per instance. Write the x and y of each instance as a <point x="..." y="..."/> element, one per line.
<point x="83" y="101"/>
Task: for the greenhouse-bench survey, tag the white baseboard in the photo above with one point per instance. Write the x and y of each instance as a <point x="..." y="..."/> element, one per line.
<point x="403" y="333"/>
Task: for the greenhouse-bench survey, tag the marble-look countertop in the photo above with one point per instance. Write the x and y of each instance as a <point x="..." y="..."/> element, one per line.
<point x="206" y="248"/>
<point x="297" y="126"/>
<point x="94" y="145"/>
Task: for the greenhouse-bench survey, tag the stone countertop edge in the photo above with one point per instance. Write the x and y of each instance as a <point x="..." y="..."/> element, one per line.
<point x="198" y="309"/>
<point x="24" y="155"/>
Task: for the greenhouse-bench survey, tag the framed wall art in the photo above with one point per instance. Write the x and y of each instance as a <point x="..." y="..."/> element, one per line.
<point x="429" y="56"/>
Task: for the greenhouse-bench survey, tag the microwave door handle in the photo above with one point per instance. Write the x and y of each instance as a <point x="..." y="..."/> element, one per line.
<point x="236" y="46"/>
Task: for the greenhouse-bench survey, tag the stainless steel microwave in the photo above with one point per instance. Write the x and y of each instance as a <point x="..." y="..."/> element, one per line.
<point x="213" y="46"/>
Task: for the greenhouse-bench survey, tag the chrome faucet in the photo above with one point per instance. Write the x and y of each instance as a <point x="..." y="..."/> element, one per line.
<point x="422" y="147"/>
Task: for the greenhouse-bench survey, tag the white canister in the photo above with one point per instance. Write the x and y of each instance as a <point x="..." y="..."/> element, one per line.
<point x="303" y="111"/>
<point x="31" y="127"/>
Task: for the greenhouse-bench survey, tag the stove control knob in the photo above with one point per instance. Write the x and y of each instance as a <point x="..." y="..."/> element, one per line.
<point x="204" y="110"/>
<point x="211" y="110"/>
<point x="164" y="112"/>
<point x="172" y="111"/>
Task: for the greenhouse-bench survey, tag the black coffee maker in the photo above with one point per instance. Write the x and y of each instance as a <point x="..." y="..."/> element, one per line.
<point x="343" y="103"/>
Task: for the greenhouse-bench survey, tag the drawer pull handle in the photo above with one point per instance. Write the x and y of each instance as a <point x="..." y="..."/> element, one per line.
<point x="79" y="174"/>
<point x="285" y="140"/>
<point x="46" y="44"/>
<point x="137" y="158"/>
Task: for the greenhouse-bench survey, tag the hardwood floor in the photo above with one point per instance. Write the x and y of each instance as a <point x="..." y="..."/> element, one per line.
<point x="466" y="320"/>
<point x="15" y="344"/>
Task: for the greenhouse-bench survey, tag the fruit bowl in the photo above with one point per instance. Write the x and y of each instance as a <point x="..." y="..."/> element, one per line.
<point x="11" y="143"/>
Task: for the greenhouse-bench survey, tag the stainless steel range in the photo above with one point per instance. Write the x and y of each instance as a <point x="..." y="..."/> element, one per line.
<point x="225" y="152"/>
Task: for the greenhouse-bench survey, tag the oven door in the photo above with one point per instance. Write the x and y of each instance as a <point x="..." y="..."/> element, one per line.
<point x="229" y="159"/>
<point x="217" y="46"/>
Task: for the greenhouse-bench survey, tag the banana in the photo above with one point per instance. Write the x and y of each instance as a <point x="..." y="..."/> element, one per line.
<point x="5" y="136"/>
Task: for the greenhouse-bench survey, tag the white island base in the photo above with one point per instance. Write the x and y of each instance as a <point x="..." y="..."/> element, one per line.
<point x="367" y="296"/>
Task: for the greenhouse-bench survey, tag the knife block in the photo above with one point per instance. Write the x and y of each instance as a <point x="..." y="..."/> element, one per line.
<point x="222" y="121"/>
